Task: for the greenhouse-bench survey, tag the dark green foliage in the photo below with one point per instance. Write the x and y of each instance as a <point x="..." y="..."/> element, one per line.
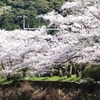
<point x="30" y="8"/>
<point x="8" y="22"/>
<point x="93" y="72"/>
<point x="1" y="4"/>
<point x="14" y="77"/>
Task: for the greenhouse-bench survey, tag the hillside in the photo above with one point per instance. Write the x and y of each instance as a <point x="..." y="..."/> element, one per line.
<point x="10" y="10"/>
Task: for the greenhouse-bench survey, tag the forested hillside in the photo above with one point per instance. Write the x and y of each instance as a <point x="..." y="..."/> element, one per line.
<point x="10" y="10"/>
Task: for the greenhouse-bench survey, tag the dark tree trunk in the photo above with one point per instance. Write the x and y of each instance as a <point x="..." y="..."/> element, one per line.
<point x="77" y="73"/>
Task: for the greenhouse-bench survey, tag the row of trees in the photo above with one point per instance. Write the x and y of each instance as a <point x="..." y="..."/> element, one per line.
<point x="79" y="39"/>
<point x="30" y="8"/>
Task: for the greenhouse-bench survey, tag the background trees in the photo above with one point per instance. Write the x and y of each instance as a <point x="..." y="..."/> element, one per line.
<point x="31" y="8"/>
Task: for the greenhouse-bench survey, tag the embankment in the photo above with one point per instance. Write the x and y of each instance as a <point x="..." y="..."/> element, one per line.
<point x="40" y="90"/>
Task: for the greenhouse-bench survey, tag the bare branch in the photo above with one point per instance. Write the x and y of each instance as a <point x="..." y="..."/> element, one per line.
<point x="95" y="15"/>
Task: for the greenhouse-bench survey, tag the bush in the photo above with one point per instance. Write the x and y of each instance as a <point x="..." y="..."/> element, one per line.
<point x="14" y="77"/>
<point x="92" y="72"/>
<point x="2" y="4"/>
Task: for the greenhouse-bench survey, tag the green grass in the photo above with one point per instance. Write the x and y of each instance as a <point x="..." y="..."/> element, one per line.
<point x="4" y="81"/>
<point x="73" y="78"/>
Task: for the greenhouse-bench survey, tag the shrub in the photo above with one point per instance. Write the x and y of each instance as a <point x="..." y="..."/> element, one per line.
<point x="93" y="72"/>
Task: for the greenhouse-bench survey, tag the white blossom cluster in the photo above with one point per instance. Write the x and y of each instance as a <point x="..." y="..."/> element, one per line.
<point x="78" y="38"/>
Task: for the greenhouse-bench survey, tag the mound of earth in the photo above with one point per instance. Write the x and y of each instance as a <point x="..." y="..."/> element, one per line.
<point x="39" y="90"/>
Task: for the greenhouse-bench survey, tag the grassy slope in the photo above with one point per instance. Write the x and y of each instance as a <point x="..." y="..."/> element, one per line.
<point x="73" y="78"/>
<point x="54" y="78"/>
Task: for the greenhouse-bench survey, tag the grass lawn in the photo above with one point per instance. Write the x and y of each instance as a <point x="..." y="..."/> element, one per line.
<point x="4" y="81"/>
<point x="73" y="78"/>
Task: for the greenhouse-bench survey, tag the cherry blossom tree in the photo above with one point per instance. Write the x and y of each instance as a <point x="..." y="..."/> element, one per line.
<point x="78" y="40"/>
